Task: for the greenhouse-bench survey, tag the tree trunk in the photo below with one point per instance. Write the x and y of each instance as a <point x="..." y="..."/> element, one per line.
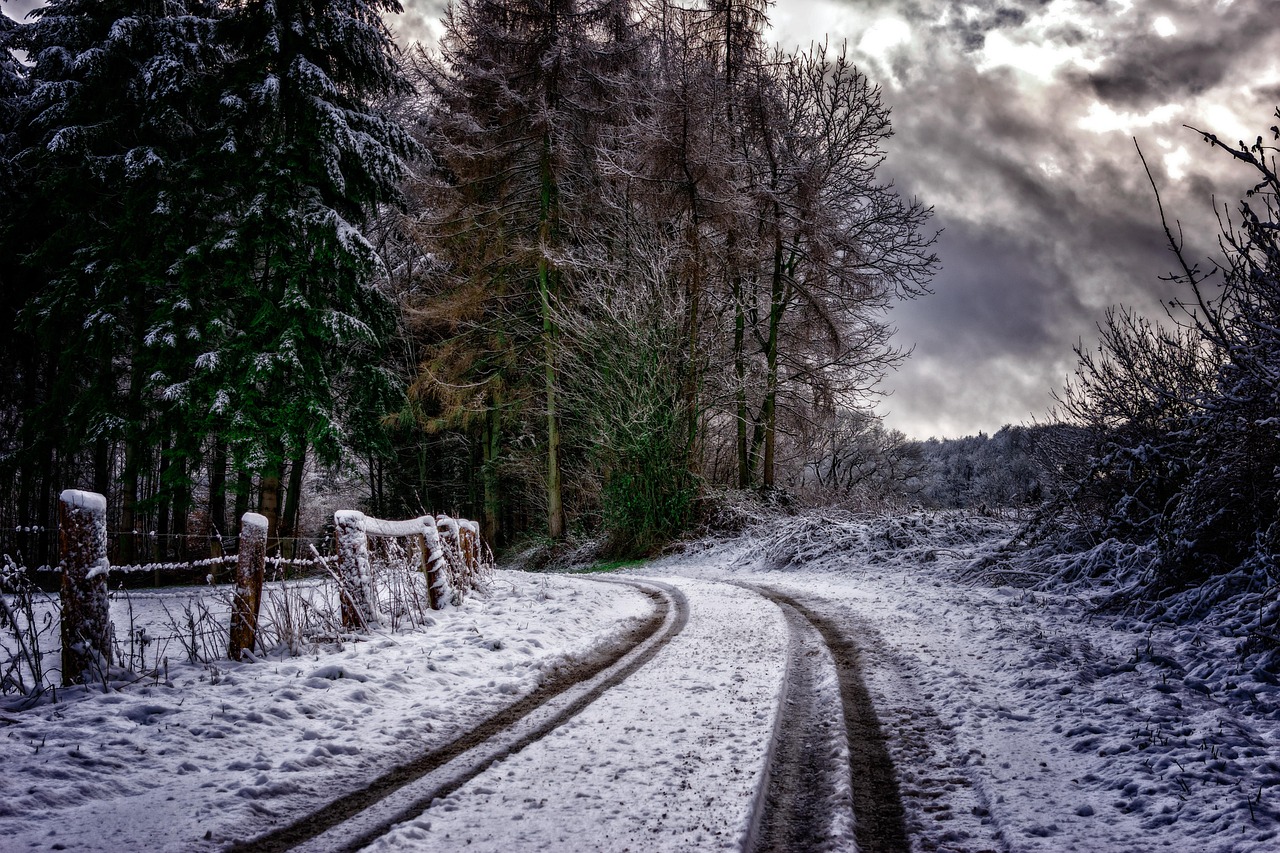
<point x="131" y="475"/>
<point x="48" y="467"/>
<point x="769" y="414"/>
<point x="182" y="504"/>
<point x="695" y="308"/>
<point x="217" y="496"/>
<point x="740" y="373"/>
<point x="27" y="476"/>
<point x="491" y="438"/>
<point x="547" y="284"/>
<point x="162" y="505"/>
<point x="102" y="446"/>
<point x="375" y="484"/>
<point x="555" y="506"/>
<point x="102" y="466"/>
<point x="269" y="503"/>
<point x="244" y="486"/>
<point x="293" y="499"/>
<point x="129" y="503"/>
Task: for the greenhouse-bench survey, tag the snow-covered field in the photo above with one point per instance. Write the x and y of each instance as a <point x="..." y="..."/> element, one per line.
<point x="1018" y="720"/>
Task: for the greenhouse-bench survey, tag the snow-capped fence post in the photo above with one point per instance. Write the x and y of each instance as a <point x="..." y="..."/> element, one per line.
<point x="433" y="564"/>
<point x="448" y="528"/>
<point x="251" y="564"/>
<point x="451" y="568"/>
<point x="355" y="575"/>
<point x="469" y="542"/>
<point x="86" y="614"/>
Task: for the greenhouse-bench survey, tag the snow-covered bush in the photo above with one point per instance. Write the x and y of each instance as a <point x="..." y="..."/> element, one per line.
<point x="1183" y="459"/>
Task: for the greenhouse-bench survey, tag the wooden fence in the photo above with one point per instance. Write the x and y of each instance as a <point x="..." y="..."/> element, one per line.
<point x="451" y="552"/>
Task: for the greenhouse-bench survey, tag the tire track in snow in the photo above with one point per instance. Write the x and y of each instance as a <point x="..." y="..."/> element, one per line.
<point x="805" y="802"/>
<point x="353" y="821"/>
<point x="877" y="806"/>
<point x="947" y="805"/>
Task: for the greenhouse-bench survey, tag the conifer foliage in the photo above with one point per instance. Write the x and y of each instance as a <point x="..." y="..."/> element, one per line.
<point x="192" y="182"/>
<point x="305" y="156"/>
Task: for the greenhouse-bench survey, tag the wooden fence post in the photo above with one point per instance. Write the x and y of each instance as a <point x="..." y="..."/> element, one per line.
<point x="86" y="613"/>
<point x="448" y="528"/>
<point x="355" y="575"/>
<point x="246" y="601"/>
<point x="469" y="542"/>
<point x="433" y="565"/>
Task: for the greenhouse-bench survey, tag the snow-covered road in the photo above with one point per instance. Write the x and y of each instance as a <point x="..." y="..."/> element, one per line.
<point x="1016" y="721"/>
<point x="1023" y="721"/>
<point x="668" y="760"/>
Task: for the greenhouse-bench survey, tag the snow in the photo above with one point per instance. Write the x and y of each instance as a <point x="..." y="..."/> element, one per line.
<point x="229" y="748"/>
<point x="90" y="502"/>
<point x="1047" y="726"/>
<point x="1018" y="719"/>
<point x="353" y="560"/>
<point x="90" y="552"/>
<point x="673" y="755"/>
<point x="254" y="523"/>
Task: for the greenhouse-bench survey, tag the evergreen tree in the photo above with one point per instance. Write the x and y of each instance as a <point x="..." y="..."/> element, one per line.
<point x="303" y="158"/>
<point x="13" y="86"/>
<point x="110" y="119"/>
<point x="15" y="346"/>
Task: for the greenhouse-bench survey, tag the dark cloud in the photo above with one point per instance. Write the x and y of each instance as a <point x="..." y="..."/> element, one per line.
<point x="1016" y="121"/>
<point x="962" y="321"/>
<point x="1146" y="69"/>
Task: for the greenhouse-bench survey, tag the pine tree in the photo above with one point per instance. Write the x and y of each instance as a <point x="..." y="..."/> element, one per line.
<point x="16" y="347"/>
<point x="13" y="87"/>
<point x="107" y="132"/>
<point x="303" y="158"/>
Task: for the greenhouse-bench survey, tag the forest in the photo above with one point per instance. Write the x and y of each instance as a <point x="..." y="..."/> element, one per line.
<point x="584" y="267"/>
<point x="575" y="265"/>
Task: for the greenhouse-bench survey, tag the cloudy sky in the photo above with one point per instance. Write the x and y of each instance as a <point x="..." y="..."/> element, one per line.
<point x="1015" y="119"/>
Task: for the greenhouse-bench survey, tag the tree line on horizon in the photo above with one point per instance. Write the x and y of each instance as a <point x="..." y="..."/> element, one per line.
<point x="582" y="261"/>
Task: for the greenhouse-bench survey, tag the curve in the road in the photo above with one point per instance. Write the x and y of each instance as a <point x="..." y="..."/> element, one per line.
<point x="506" y="732"/>
<point x="877" y="806"/>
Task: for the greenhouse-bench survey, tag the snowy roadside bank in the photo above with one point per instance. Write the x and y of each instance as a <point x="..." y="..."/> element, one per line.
<point x="1021" y="720"/>
<point x="227" y="748"/>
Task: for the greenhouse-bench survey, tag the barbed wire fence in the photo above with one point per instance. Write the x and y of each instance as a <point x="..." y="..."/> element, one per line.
<point x="298" y="605"/>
